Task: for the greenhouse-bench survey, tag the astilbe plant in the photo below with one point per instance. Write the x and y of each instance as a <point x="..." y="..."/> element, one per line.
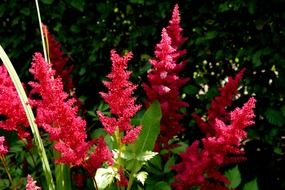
<point x="122" y="107"/>
<point x="219" y="104"/>
<point x="13" y="117"/>
<point x="57" y="114"/>
<point x="164" y="82"/>
<point x="201" y="161"/>
<point x="119" y="98"/>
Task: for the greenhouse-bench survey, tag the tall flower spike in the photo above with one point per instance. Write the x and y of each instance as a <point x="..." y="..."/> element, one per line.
<point x="119" y="97"/>
<point x="200" y="166"/>
<point x="59" y="60"/>
<point x="175" y="30"/>
<point x="13" y="117"/>
<point x="164" y="85"/>
<point x="219" y="104"/>
<point x="57" y="114"/>
<point x="31" y="184"/>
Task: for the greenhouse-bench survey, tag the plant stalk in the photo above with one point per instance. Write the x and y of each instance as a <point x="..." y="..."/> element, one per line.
<point x="41" y="30"/>
<point x="6" y="169"/>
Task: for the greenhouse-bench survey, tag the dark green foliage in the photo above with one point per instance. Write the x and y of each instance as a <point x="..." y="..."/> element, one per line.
<point x="224" y="36"/>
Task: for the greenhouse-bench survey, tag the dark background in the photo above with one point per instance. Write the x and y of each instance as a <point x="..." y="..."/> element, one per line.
<point x="223" y="37"/>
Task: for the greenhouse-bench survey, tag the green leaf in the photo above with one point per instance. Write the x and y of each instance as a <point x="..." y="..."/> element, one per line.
<point x="256" y="59"/>
<point x="234" y="176"/>
<point x="98" y="133"/>
<point x="4" y="184"/>
<point x="191" y="89"/>
<point x="124" y="155"/>
<point x="62" y="175"/>
<point x="48" y="2"/>
<point x="25" y="11"/>
<point x="211" y="35"/>
<point x="162" y="186"/>
<point x="147" y="155"/>
<point x="141" y="176"/>
<point x="78" y="4"/>
<point x="252" y="185"/>
<point x="180" y="148"/>
<point x="137" y="1"/>
<point x="170" y="162"/>
<point x="104" y="177"/>
<point x="150" y="130"/>
<point x="274" y="117"/>
<point x="156" y="161"/>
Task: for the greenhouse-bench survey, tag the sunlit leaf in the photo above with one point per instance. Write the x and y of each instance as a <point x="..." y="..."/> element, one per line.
<point x="234" y="176"/>
<point x="141" y="176"/>
<point x="252" y="185"/>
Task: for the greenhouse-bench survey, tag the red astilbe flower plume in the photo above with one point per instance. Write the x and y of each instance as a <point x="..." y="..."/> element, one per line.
<point x="56" y="113"/>
<point x="174" y="31"/>
<point x="164" y="85"/>
<point x="100" y="155"/>
<point x="3" y="147"/>
<point x="223" y="148"/>
<point x="119" y="97"/>
<point x="164" y="82"/>
<point x="123" y="181"/>
<point x="31" y="184"/>
<point x="13" y="117"/>
<point x="219" y="105"/>
<point x="59" y="60"/>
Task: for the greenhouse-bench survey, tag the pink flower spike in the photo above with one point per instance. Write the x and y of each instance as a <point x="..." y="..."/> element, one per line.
<point x="164" y="82"/>
<point x="174" y="29"/>
<point x="31" y="184"/>
<point x="132" y="135"/>
<point x="57" y="114"/>
<point x="119" y="97"/>
<point x="3" y="147"/>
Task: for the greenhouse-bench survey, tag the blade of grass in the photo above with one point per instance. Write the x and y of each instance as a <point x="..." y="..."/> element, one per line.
<point x="30" y="116"/>
<point x="41" y="30"/>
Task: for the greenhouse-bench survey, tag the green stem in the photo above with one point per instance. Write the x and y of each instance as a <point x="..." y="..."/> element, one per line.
<point x="6" y="169"/>
<point x="118" y="139"/>
<point x="41" y="30"/>
<point x="131" y="176"/>
<point x="30" y="116"/>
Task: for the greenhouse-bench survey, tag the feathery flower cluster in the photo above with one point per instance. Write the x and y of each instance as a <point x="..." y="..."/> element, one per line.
<point x="200" y="166"/>
<point x="219" y="104"/>
<point x="221" y="146"/>
<point x="119" y="97"/>
<point x="123" y="182"/>
<point x="59" y="60"/>
<point x="31" y="184"/>
<point x="164" y="83"/>
<point x="174" y="30"/>
<point x="13" y="117"/>
<point x="57" y="114"/>
<point x="3" y="147"/>
<point x="100" y="155"/>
